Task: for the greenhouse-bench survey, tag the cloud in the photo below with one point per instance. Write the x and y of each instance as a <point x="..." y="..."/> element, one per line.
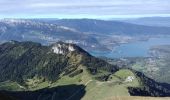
<point x="19" y="8"/>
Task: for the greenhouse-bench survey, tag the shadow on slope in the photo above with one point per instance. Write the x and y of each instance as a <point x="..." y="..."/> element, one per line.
<point x="150" y="87"/>
<point x="6" y="97"/>
<point x="68" y="92"/>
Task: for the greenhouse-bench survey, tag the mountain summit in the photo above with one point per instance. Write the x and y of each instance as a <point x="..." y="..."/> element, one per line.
<point x="21" y="61"/>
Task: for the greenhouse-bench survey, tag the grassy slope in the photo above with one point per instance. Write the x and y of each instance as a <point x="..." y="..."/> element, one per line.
<point x="9" y="85"/>
<point x="137" y="98"/>
<point x="97" y="90"/>
<point x="113" y="89"/>
<point x="115" y="86"/>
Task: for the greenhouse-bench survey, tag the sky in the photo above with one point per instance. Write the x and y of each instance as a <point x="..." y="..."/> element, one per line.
<point x="102" y="9"/>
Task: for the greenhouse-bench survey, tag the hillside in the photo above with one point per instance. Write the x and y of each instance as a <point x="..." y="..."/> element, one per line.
<point x="65" y="71"/>
<point x="24" y="60"/>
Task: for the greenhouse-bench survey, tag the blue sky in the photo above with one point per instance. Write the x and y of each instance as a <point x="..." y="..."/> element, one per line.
<point x="83" y="8"/>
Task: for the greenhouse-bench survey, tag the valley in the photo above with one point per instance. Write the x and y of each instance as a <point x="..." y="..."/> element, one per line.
<point x="61" y="59"/>
<point x="156" y="66"/>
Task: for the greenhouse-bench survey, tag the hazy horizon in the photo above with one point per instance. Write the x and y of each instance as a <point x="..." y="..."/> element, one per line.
<point x="96" y="9"/>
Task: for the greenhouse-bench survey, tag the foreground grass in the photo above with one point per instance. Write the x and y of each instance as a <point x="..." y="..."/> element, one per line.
<point x="138" y="98"/>
<point x="113" y="89"/>
<point x="9" y="85"/>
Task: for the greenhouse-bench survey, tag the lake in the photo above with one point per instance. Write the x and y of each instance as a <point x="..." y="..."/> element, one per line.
<point x="135" y="49"/>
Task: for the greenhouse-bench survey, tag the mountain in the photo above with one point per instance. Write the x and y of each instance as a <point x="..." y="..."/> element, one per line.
<point x="150" y="21"/>
<point x="24" y="60"/>
<point x="64" y="71"/>
<point x="110" y="27"/>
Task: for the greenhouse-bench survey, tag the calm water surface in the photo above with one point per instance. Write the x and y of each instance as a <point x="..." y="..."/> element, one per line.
<point x="135" y="49"/>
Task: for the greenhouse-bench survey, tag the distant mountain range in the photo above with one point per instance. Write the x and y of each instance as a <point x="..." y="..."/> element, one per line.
<point x="64" y="71"/>
<point x="109" y="27"/>
<point x="150" y="21"/>
<point x="89" y="34"/>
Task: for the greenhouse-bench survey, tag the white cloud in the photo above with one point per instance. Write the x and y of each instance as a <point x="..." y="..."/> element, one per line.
<point x="86" y="7"/>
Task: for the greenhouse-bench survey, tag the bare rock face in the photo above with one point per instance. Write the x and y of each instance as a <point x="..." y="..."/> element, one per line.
<point x="61" y="48"/>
